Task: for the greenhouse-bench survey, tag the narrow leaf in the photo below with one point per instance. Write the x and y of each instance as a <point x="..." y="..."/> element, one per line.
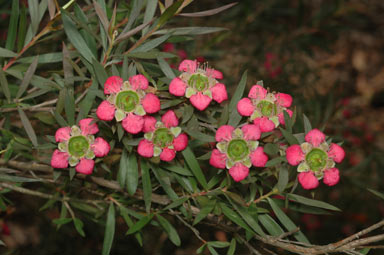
<point x="147" y="186"/>
<point x="169" y="229"/>
<point x="270" y="225"/>
<point x="307" y="124"/>
<point x="140" y="224"/>
<point x="176" y="203"/>
<point x="79" y="226"/>
<point x="4" y="53"/>
<point x="12" y="28"/>
<point x="149" y="45"/>
<point x="132" y="178"/>
<point x="238" y="93"/>
<point x="102" y="15"/>
<point x="312" y="202"/>
<point x="133" y="31"/>
<point x="167" y="70"/>
<point x="232" y="247"/>
<point x="149" y="13"/>
<point x="28" y="127"/>
<point x="4" y="86"/>
<point x="291" y="139"/>
<point x="109" y="230"/>
<point x="194" y="166"/>
<point x="205" y="210"/>
<point x="208" y="12"/>
<point x="27" y="77"/>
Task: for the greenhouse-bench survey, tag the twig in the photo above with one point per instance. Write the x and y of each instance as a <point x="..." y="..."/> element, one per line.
<point x="250" y="247"/>
<point x="194" y="230"/>
<point x="26" y="191"/>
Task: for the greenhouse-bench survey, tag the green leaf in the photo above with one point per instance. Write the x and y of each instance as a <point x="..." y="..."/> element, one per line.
<point x="194" y="166"/>
<point x="169" y="13"/>
<point x="275" y="161"/>
<point x="200" y="136"/>
<point x="177" y="169"/>
<point x="10" y="178"/>
<point x="28" y="127"/>
<point x="62" y="221"/>
<point x="271" y="149"/>
<point x="34" y="13"/>
<point x="237" y="95"/>
<point x="204" y="211"/>
<point x="132" y="178"/>
<point x="212" y="250"/>
<point x="208" y="12"/>
<point x="100" y="72"/>
<point x="147" y="186"/>
<point x="232" y="247"/>
<point x="307" y="124"/>
<point x="201" y="249"/>
<point x="79" y="226"/>
<point x="283" y="178"/>
<point x="127" y="34"/>
<point x="101" y="15"/>
<point x="234" y="217"/>
<point x="140" y="224"/>
<point x="149" y="13"/>
<point x="12" y="28"/>
<point x="218" y="244"/>
<point x="22" y="28"/>
<point x="288" y="121"/>
<point x="291" y="139"/>
<point x="190" y="30"/>
<point x="379" y="194"/>
<point x="187" y="113"/>
<point x="152" y="54"/>
<point x="167" y="70"/>
<point x="287" y="222"/>
<point x="312" y="202"/>
<point x="169" y="229"/>
<point x="69" y="106"/>
<point x="4" y="86"/>
<point x="164" y="182"/>
<point x="149" y="45"/>
<point x="270" y="225"/>
<point x="176" y="203"/>
<point x="234" y="118"/>
<point x="4" y="53"/>
<point x="109" y="230"/>
<point x="75" y="37"/>
<point x="27" y="77"/>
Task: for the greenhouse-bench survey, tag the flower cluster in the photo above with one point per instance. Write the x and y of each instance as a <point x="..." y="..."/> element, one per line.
<point x="199" y="84"/>
<point x="316" y="160"/>
<point x="265" y="109"/>
<point x="162" y="138"/>
<point x="237" y="150"/>
<point x="128" y="102"/>
<point x="78" y="147"/>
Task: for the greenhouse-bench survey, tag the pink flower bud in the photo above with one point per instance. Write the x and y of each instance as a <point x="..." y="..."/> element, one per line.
<point x="315" y="137"/>
<point x="336" y="153"/>
<point x="283" y="99"/>
<point x="145" y="148"/>
<point x="100" y="147"/>
<point x="331" y="176"/>
<point x="88" y="126"/>
<point x="251" y="132"/>
<point x="150" y="103"/>
<point x="218" y="159"/>
<point x="180" y="142"/>
<point x="239" y="172"/>
<point x="112" y="85"/>
<point x="106" y="111"/>
<point x="169" y="119"/>
<point x="245" y="107"/>
<point x="167" y="154"/>
<point x="177" y="87"/>
<point x="308" y="180"/>
<point x="85" y="166"/>
<point x="219" y="92"/>
<point x="59" y="159"/>
<point x="138" y="82"/>
<point x="200" y="101"/>
<point x="294" y="155"/>
<point x="224" y="133"/>
<point x="257" y="92"/>
<point x="63" y="134"/>
<point x="258" y="157"/>
<point x="133" y="123"/>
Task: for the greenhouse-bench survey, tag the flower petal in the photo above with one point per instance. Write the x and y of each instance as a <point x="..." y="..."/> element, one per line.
<point x="245" y="107"/>
<point x="315" y="137"/>
<point x="188" y="66"/>
<point x="200" y="101"/>
<point x="151" y="103"/>
<point x="149" y="124"/>
<point x="281" y="116"/>
<point x="214" y="73"/>
<point x="59" y="159"/>
<point x="239" y="172"/>
<point x="88" y="126"/>
<point x="106" y="111"/>
<point x="133" y="123"/>
<point x="224" y="133"/>
<point x="265" y="124"/>
<point x="308" y="180"/>
<point x="145" y="148"/>
<point x="169" y="119"/>
<point x="218" y="159"/>
<point x="331" y="176"/>
<point x="219" y="92"/>
<point x="294" y="155"/>
<point x="283" y="99"/>
<point x="177" y="87"/>
<point x="63" y="134"/>
<point x="180" y="142"/>
<point x="258" y="157"/>
<point x="336" y="153"/>
<point x="113" y="85"/>
<point x="138" y="82"/>
<point x="85" y="166"/>
<point x="251" y="132"/>
<point x="257" y="92"/>
<point x="167" y="154"/>
<point x="100" y="147"/>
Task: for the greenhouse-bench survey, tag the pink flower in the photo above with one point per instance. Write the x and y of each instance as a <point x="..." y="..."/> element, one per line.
<point x="265" y="109"/>
<point x="78" y="147"/>
<point x="128" y="102"/>
<point x="316" y="160"/>
<point x="198" y="84"/>
<point x="237" y="150"/>
<point x="162" y="138"/>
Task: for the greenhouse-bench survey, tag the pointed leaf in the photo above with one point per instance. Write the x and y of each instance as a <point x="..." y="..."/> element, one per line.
<point x="140" y="224"/>
<point x="194" y="165"/>
<point x="312" y="202"/>
<point x="27" y="77"/>
<point x="12" y="28"/>
<point x="147" y="186"/>
<point x="109" y="230"/>
<point x="132" y="178"/>
<point x="169" y="229"/>
<point x="28" y="127"/>
<point x="208" y="12"/>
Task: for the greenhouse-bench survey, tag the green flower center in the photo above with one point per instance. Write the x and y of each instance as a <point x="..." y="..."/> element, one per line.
<point x="237" y="149"/>
<point x="316" y="159"/>
<point x="163" y="137"/>
<point x="198" y="81"/>
<point x="78" y="146"/>
<point x="267" y="108"/>
<point x="127" y="100"/>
